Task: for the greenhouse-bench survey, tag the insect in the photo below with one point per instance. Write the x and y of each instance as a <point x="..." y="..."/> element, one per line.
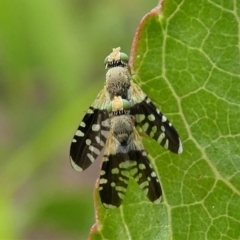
<point x="92" y="133"/>
<point x="125" y="156"/>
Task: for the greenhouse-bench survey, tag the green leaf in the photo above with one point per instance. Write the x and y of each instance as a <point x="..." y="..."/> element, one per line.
<point x="185" y="56"/>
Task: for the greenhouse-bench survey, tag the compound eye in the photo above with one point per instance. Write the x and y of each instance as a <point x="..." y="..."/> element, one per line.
<point x="126" y="104"/>
<point x="124" y="57"/>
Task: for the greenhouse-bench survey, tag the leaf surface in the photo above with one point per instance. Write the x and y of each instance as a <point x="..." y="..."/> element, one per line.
<point x="185" y="56"/>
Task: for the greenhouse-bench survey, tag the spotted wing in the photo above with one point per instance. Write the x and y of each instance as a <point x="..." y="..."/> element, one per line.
<point x="119" y="163"/>
<point x="91" y="134"/>
<point x="114" y="179"/>
<point x="152" y="121"/>
<point x="142" y="171"/>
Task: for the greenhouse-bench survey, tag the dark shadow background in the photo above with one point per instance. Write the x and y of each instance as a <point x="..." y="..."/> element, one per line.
<point x="51" y="69"/>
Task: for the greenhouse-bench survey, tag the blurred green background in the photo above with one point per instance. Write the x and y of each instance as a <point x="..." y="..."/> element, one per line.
<point x="51" y="69"/>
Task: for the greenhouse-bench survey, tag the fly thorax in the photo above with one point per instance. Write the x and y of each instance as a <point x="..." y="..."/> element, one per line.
<point x="118" y="82"/>
<point x="122" y="128"/>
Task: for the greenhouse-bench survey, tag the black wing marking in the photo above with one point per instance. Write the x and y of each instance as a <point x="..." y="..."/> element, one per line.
<point x="122" y="161"/>
<point x="145" y="175"/>
<point x="91" y="134"/>
<point x="113" y="181"/>
<point x="153" y="122"/>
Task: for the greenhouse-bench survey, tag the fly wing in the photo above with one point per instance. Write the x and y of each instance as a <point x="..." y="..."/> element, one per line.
<point x="113" y="181"/>
<point x="91" y="134"/>
<point x="142" y="171"/>
<point x="121" y="161"/>
<point x="114" y="175"/>
<point x="153" y="122"/>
